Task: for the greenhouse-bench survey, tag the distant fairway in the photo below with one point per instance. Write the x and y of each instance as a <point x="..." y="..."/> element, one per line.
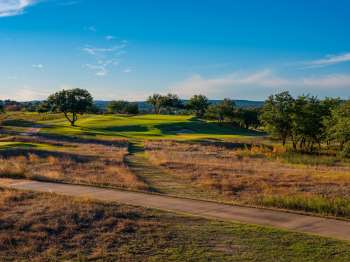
<point x="144" y="127"/>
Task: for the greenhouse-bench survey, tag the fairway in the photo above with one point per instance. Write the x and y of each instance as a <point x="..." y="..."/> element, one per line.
<point x="145" y="127"/>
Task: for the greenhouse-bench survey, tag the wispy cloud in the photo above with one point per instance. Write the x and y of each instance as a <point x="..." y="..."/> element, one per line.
<point x="101" y="50"/>
<point x="104" y="57"/>
<point x="127" y="70"/>
<point x="328" y="81"/>
<point x="38" y="66"/>
<point x="109" y="37"/>
<point x="14" y="7"/>
<point x="328" y="60"/>
<point x="69" y="3"/>
<point x="100" y="70"/>
<point x="256" y="84"/>
<point x="91" y="28"/>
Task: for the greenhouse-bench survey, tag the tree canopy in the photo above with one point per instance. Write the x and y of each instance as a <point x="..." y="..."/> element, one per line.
<point x="199" y="104"/>
<point x="159" y="102"/>
<point x="71" y="103"/>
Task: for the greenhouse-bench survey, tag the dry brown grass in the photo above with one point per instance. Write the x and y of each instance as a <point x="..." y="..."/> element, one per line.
<point x="48" y="227"/>
<point x="248" y="174"/>
<point x="43" y="227"/>
<point x="73" y="162"/>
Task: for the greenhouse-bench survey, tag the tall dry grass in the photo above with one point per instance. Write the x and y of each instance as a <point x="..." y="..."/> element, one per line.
<point x="85" y="163"/>
<point x="251" y="174"/>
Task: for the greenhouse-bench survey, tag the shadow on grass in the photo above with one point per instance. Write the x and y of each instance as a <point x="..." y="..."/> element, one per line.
<point x="21" y="123"/>
<point x="16" y="152"/>
<point x="127" y="128"/>
<point x="204" y="128"/>
<point x="82" y="140"/>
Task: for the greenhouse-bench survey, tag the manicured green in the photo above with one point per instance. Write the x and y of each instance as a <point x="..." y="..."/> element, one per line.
<point x="144" y="127"/>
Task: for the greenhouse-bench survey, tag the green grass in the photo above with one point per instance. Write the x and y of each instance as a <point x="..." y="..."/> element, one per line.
<point x="25" y="145"/>
<point x="144" y="127"/>
<point x="339" y="207"/>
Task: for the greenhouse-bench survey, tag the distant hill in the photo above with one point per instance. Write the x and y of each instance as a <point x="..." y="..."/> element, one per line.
<point x="143" y="106"/>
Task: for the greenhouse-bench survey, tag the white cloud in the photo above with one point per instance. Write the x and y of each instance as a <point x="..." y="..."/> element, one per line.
<point x="102" y="50"/>
<point x="104" y="57"/>
<point x="127" y="70"/>
<point x="14" y="7"/>
<point x="110" y="37"/>
<point x="256" y="85"/>
<point x="217" y="86"/>
<point x="100" y="70"/>
<point x="328" y="81"/>
<point x="328" y="60"/>
<point x="38" y="66"/>
<point x="25" y="93"/>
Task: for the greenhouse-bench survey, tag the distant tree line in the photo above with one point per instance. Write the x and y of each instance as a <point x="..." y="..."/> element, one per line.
<point x="79" y="101"/>
<point x="224" y="111"/>
<point x="305" y="122"/>
<point x="123" y="107"/>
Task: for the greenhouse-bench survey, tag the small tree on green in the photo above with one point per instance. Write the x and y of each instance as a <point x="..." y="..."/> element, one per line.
<point x="199" y="104"/>
<point x="221" y="111"/>
<point x="131" y="109"/>
<point x="227" y="109"/>
<point x="157" y="101"/>
<point x="117" y="107"/>
<point x="71" y="103"/>
<point x="172" y="102"/>
<point x="43" y="107"/>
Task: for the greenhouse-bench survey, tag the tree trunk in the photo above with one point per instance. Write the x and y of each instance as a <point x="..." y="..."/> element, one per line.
<point x="71" y="120"/>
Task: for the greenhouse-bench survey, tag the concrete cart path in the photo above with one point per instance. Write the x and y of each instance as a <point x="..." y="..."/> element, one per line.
<point x="302" y="223"/>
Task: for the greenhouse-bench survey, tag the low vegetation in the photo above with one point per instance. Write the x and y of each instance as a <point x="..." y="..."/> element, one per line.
<point x="47" y="227"/>
<point x="73" y="161"/>
<point x="255" y="175"/>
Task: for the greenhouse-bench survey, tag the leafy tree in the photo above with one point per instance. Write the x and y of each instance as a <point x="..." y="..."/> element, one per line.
<point x="213" y="113"/>
<point x="227" y="109"/>
<point x="43" y="107"/>
<point x="132" y="109"/>
<point x="276" y="115"/>
<point x="249" y="117"/>
<point x="307" y="122"/>
<point x="339" y="125"/>
<point x="71" y="102"/>
<point x="199" y="104"/>
<point x="117" y="107"/>
<point x="171" y="101"/>
<point x="157" y="101"/>
<point x="223" y="110"/>
<point x="123" y="107"/>
<point x="2" y="108"/>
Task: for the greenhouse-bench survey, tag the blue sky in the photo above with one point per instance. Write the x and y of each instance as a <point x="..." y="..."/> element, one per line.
<point x="129" y="49"/>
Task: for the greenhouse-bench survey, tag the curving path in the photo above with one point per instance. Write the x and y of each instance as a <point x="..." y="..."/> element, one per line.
<point x="279" y="219"/>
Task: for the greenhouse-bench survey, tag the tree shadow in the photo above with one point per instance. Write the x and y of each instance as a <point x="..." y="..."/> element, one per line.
<point x="126" y="128"/>
<point x="196" y="126"/>
<point x="21" y="123"/>
<point x="81" y="140"/>
<point x="26" y="152"/>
